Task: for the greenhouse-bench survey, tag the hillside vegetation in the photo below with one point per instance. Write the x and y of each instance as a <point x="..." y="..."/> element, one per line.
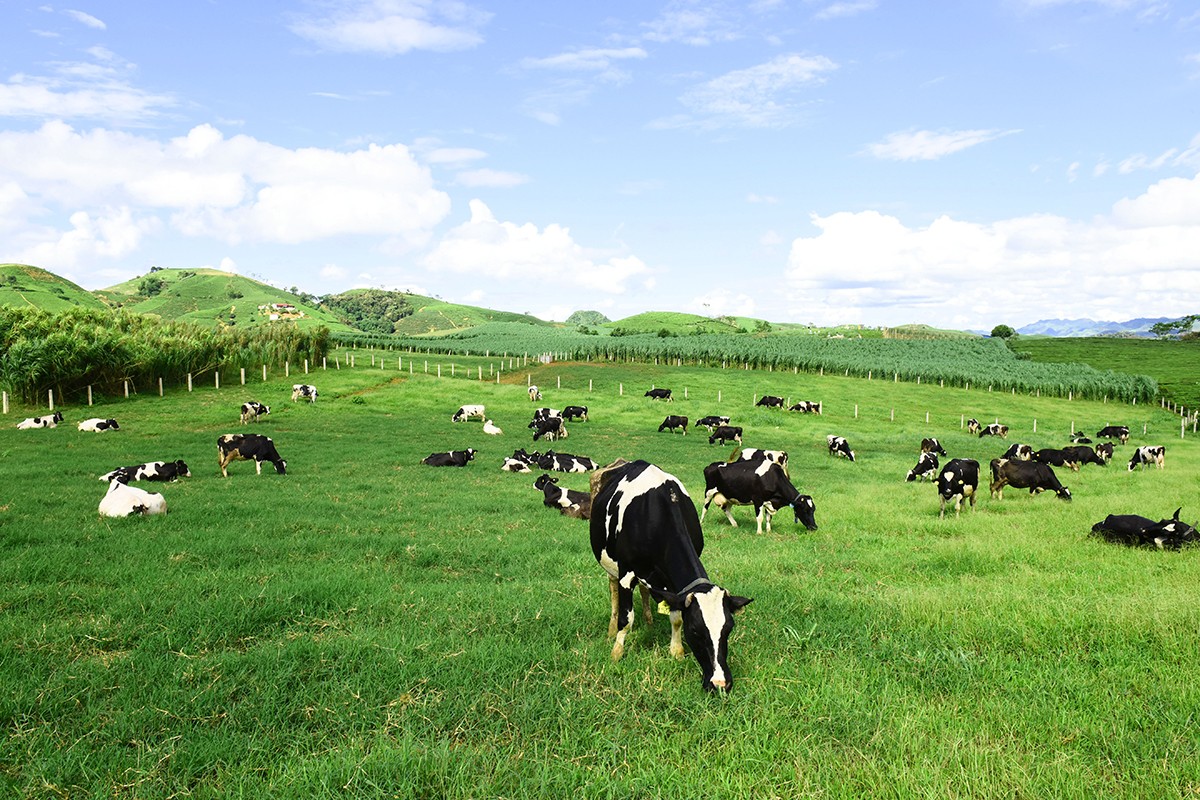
<point x="23" y="286"/>
<point x="433" y="316"/>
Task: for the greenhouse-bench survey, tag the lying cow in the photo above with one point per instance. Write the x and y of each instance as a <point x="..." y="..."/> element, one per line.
<point x="726" y="434"/>
<point x="1145" y="456"/>
<point x="1019" y="452"/>
<point x="1133" y="530"/>
<point x="99" y="425"/>
<point x="674" y="423"/>
<point x="123" y="500"/>
<point x="469" y="412"/>
<point x="150" y="471"/>
<point x="838" y="446"/>
<point x="575" y="412"/>
<point x="926" y="468"/>
<point x="567" y="501"/>
<point x="761" y="484"/>
<point x="1080" y="438"/>
<point x="711" y="421"/>
<point x="248" y="447"/>
<point x="770" y="401"/>
<point x="253" y="410"/>
<point x="806" y="407"/>
<point x="454" y="458"/>
<point x="958" y="481"/>
<point x="304" y="391"/>
<point x="995" y="429"/>
<point x="563" y="462"/>
<point x="1031" y="475"/>
<point x="932" y="446"/>
<point x="551" y="428"/>
<point x="1119" y="432"/>
<point x="644" y="530"/>
<point x="659" y="394"/>
<point x="519" y="461"/>
<point x="45" y="421"/>
<point x="490" y="428"/>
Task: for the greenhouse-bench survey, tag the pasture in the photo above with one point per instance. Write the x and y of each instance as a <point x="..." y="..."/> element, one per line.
<point x="365" y="626"/>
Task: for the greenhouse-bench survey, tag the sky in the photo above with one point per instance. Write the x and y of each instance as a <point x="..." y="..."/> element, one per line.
<point x="961" y="165"/>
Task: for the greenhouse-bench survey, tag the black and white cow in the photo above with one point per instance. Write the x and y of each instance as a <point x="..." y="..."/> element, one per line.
<point x="123" y="500"/>
<point x="674" y="423"/>
<point x="253" y="410"/>
<point x="711" y="421"/>
<point x="761" y="484"/>
<point x="551" y="428"/>
<point x="453" y="458"/>
<point x="99" y="425"/>
<point x="659" y="394"/>
<point x="1019" y="452"/>
<point x="567" y="501"/>
<point x="543" y="414"/>
<point x="806" y="407"/>
<point x="779" y="457"/>
<point x="304" y="391"/>
<point x="535" y="394"/>
<point x="1054" y="457"/>
<point x="1105" y="451"/>
<point x="1080" y="438"/>
<point x="150" y="471"/>
<point x="1119" y="432"/>
<point x="474" y="411"/>
<point x="725" y="434"/>
<point x="1031" y="475"/>
<point x="1145" y="456"/>
<point x="563" y="462"/>
<point x="575" y="412"/>
<point x="995" y="429"/>
<point x="1081" y="454"/>
<point x="1133" y="530"/>
<point x="926" y="468"/>
<point x="838" y="446"/>
<point x="44" y="421"/>
<point x="973" y="426"/>
<point x="932" y="446"/>
<point x="958" y="481"/>
<point x="519" y="461"/>
<point x="248" y="447"/>
<point x="770" y="401"/>
<point x="644" y="530"/>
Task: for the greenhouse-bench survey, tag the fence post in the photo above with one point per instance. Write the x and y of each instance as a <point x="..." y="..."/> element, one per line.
<point x="589" y="384"/>
<point x="621" y="389"/>
<point x="160" y="391"/>
<point x="125" y="385"/>
<point x="439" y="370"/>
<point x="287" y="369"/>
<point x="217" y="380"/>
<point x="189" y="381"/>
<point x="50" y="394"/>
<point x="306" y="364"/>
<point x="5" y="402"/>
<point x="718" y="395"/>
<point x="893" y="418"/>
<point x="324" y="365"/>
<point x="856" y="410"/>
<point x="1035" y="425"/>
<point x="89" y="394"/>
<point x="243" y="376"/>
<point x="264" y="366"/>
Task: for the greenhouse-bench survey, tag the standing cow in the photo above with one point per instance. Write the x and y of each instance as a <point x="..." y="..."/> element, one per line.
<point x="248" y="447"/>
<point x="958" y="481"/>
<point x="304" y="391"/>
<point x="761" y="484"/>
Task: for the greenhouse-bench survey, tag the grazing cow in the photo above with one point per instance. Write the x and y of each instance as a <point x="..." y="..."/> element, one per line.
<point x="761" y="484"/>
<point x="1031" y="475"/>
<point x="726" y="434"/>
<point x="973" y="426"/>
<point x="838" y="446"/>
<point x="98" y="425"/>
<point x="490" y="429"/>
<point x="711" y="421"/>
<point x="543" y="414"/>
<point x="1019" y="452"/>
<point x="779" y="457"/>
<point x="770" y="401"/>
<point x="926" y="468"/>
<point x="304" y="391"/>
<point x="469" y="412"/>
<point x="248" y="447"/>
<point x="673" y="423"/>
<point x="575" y="412"/>
<point x="1080" y="438"/>
<point x="806" y="407"/>
<point x="563" y="462"/>
<point x="932" y="446"/>
<point x="1131" y="529"/>
<point x="995" y="429"/>
<point x="644" y="529"/>
<point x="567" y="501"/>
<point x="1120" y="432"/>
<point x="958" y="481"/>
<point x="519" y="461"/>
<point x="1056" y="458"/>
<point x="253" y="410"/>
<point x="535" y="394"/>
<point x="1105" y="451"/>
<point x="454" y="458"/>
<point x="1081" y="454"/>
<point x="45" y="421"/>
<point x="1150" y="454"/>
<point x="151" y="471"/>
<point x="659" y="394"/>
<point x="123" y="500"/>
<point x="552" y="428"/>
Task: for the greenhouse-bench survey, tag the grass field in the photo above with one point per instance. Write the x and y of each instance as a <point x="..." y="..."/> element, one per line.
<point x="368" y="627"/>
<point x="22" y="285"/>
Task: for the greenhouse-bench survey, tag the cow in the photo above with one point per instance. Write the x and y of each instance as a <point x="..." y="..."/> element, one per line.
<point x="711" y="421"/>
<point x="454" y="458"/>
<point x="1119" y="432"/>
<point x="806" y="407"/>
<point x="563" y="462"/>
<point x="1105" y="451"/>
<point x="673" y="423"/>
<point x="1031" y="475"/>
<point x="1082" y="454"/>
<point x="995" y="429"/>
<point x="725" y="434"/>
<point x="779" y="457"/>
<point x="123" y="500"/>
<point x="659" y="394"/>
<point x="644" y="529"/>
<point x="926" y="468"/>
<point x="552" y="428"/>
<point x="150" y="471"/>
<point x="253" y="410"/>
<point x="248" y="447"/>
<point x="958" y="481"/>
<point x="1131" y="529"/>
<point x="1080" y="438"/>
<point x="1019" y="452"/>
<point x="519" y="461"/>
<point x="567" y="501"/>
<point x="535" y="394"/>
<point x="932" y="446"/>
<point x="770" y="401"/>
<point x="575" y="412"/>
<point x="1145" y="456"/>
<point x="838" y="446"/>
<point x="1054" y="457"/>
<point x="304" y="391"/>
<point x="973" y="426"/>
<point x="543" y="414"/>
<point x="44" y="421"/>
<point x="761" y="484"/>
<point x="490" y="429"/>
<point x="469" y="412"/>
<point x="99" y="425"/>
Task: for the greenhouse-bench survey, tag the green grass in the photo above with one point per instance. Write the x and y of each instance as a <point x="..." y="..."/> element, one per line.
<point x="431" y="315"/>
<point x="365" y="626"/>
<point x="22" y="285"/>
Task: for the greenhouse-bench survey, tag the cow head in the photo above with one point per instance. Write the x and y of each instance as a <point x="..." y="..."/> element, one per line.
<point x="806" y="511"/>
<point x="543" y="481"/>
<point x="281" y="467"/>
<point x="1063" y="493"/>
<point x="707" y="622"/>
<point x="182" y="469"/>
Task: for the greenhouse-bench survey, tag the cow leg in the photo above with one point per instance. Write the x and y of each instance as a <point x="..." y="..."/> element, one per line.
<point x="677" y="634"/>
<point x="612" y="621"/>
<point x="708" y="498"/>
<point x="724" y="506"/>
<point x="647" y="605"/>
<point x="223" y="462"/>
<point x="258" y="466"/>
<point x="624" y="590"/>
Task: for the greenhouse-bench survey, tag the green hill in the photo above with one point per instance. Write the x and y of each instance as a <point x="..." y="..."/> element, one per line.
<point x="212" y="297"/>
<point x="673" y="321"/>
<point x="431" y="315"/>
<point x="22" y="285"/>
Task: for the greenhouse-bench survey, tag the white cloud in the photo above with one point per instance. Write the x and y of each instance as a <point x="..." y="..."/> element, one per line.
<point x="333" y="271"/>
<point x="454" y="156"/>
<point x="845" y="9"/>
<point x="85" y="19"/>
<point x="595" y="59"/>
<point x="98" y="90"/>
<point x="1188" y="156"/>
<point x="691" y="23"/>
<point x="930" y="145"/>
<point x="110" y="234"/>
<point x="392" y="27"/>
<point x="490" y="177"/>
<point x="487" y="248"/>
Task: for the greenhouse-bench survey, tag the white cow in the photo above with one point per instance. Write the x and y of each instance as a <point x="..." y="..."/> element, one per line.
<point x="99" y="425"/>
<point x="535" y="394"/>
<point x="467" y="412"/>
<point x="45" y="421"/>
<point x="490" y="429"/>
<point x="124" y="500"/>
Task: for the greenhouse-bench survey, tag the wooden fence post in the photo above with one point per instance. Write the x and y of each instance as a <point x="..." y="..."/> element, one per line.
<point x="287" y="369"/>
<point x="125" y="385"/>
<point x="5" y="402"/>
<point x="264" y="366"/>
<point x="243" y="376"/>
<point x="217" y="380"/>
<point x="50" y="394"/>
<point x="306" y="364"/>
<point x="189" y="381"/>
<point x="160" y="389"/>
<point x="89" y="394"/>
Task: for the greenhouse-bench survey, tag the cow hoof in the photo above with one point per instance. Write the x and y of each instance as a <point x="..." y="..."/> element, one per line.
<point x="677" y="651"/>
<point x="618" y="651"/>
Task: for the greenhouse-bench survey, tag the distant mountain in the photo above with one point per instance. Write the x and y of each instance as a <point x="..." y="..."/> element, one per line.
<point x="1090" y="327"/>
<point x="22" y="285"/>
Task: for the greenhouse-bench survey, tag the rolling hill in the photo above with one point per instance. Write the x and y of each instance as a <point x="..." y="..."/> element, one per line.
<point x="23" y="285"/>
<point x="431" y="315"/>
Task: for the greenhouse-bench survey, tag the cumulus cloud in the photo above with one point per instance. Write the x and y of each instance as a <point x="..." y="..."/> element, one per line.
<point x="485" y="247"/>
<point x="930" y="145"/>
<point x="99" y="90"/>
<point x="109" y="234"/>
<point x="393" y="27"/>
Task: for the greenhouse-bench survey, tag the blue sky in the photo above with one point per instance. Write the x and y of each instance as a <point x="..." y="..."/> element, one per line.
<point x="863" y="161"/>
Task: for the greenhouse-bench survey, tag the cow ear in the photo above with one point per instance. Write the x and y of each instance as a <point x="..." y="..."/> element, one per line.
<point x="1176" y="517"/>
<point x="738" y="603"/>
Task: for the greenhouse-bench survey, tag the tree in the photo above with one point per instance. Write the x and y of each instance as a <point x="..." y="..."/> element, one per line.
<point x="1183" y="325"/>
<point x="1003" y="332"/>
<point x="150" y="286"/>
